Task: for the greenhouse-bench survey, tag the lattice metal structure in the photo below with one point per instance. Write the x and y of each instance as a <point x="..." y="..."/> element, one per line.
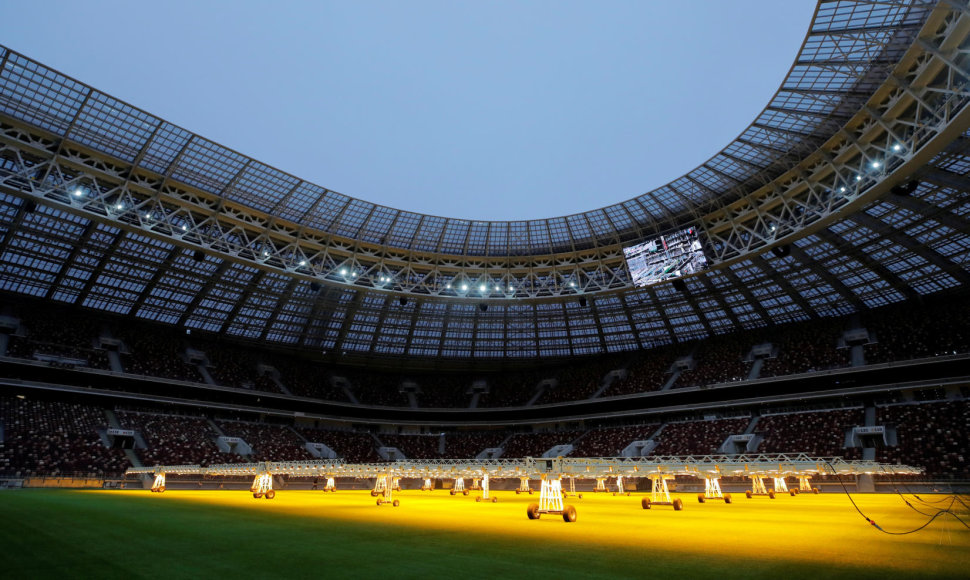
<point x="766" y="464"/>
<point x="108" y="207"/>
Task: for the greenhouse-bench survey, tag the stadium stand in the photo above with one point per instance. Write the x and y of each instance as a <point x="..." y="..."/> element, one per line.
<point x="351" y="446"/>
<point x="933" y="435"/>
<point x="55" y="438"/>
<point x="610" y="441"/>
<point x="535" y="444"/>
<point x="821" y="433"/>
<point x="697" y="437"/>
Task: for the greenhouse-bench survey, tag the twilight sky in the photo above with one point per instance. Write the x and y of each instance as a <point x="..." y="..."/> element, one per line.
<point x="478" y="110"/>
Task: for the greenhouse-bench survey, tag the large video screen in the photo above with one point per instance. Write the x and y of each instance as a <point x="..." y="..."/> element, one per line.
<point x="669" y="256"/>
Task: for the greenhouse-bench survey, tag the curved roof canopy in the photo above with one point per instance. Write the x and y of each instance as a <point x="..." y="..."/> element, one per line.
<point x="107" y="206"/>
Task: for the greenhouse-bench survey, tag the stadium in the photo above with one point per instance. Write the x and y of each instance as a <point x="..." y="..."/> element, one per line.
<point x="214" y="367"/>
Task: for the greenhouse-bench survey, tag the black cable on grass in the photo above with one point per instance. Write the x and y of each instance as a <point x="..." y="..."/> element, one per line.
<point x="873" y="523"/>
<point x="906" y="501"/>
<point x="952" y="497"/>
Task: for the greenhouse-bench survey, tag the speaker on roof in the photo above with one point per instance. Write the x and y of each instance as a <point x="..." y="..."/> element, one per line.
<point x="198" y="255"/>
<point x="30" y="206"/>
<point x="582" y="301"/>
<point x="403" y="300"/>
<point x="905" y="188"/>
<point x="314" y="287"/>
<point x="680" y="285"/>
<point x="483" y="307"/>
<point x="781" y="251"/>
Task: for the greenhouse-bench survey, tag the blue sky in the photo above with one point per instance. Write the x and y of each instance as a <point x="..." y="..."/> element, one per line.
<point x="478" y="110"/>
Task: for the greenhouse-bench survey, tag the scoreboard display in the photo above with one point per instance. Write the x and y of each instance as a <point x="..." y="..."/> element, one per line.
<point x="669" y="256"/>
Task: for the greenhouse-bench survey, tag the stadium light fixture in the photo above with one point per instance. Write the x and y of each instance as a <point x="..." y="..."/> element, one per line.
<point x="343" y="271"/>
<point x="875" y="164"/>
<point x="897" y="147"/>
<point x="482" y="288"/>
<point x="78" y="192"/>
<point x="464" y="287"/>
<point x="858" y="178"/>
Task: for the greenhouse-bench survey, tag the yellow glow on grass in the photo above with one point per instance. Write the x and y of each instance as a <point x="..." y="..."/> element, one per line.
<point x="807" y="528"/>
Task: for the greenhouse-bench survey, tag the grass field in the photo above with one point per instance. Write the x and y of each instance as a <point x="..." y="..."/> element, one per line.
<point x="302" y="534"/>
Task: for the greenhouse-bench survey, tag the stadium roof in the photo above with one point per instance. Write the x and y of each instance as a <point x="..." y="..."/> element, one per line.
<point x="106" y="206"/>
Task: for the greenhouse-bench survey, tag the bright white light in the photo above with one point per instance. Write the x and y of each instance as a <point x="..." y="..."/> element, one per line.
<point x="185" y="228"/>
<point x="511" y="289"/>
<point x="858" y="178"/>
<point x="119" y="206"/>
<point x="875" y="165"/>
<point x="78" y="192"/>
<point x="497" y="289"/>
<point x="572" y="284"/>
<point x="772" y="227"/>
<point x="343" y="271"/>
<point x="303" y="262"/>
<point x="842" y="189"/>
<point x="482" y="288"/>
<point x="448" y="286"/>
<point x="355" y="274"/>
<point x="897" y="147"/>
<point x="464" y="287"/>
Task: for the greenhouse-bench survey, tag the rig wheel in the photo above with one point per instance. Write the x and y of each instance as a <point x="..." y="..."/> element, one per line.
<point x="494" y="500"/>
<point x="257" y="495"/>
<point x="478" y="499"/>
<point x="270" y="494"/>
<point x="815" y="490"/>
<point x="580" y="496"/>
<point x="373" y="493"/>
<point x="569" y="514"/>
<point x="700" y="498"/>
<point x="747" y="494"/>
<point x="465" y="492"/>
<point x="645" y="503"/>
<point x="518" y="491"/>
<point x="771" y="494"/>
<point x="452" y="492"/>
<point x="530" y="492"/>
<point x="727" y="498"/>
<point x="532" y="511"/>
<point x="396" y="503"/>
<point x="161" y="489"/>
<point x="792" y="492"/>
<point x="678" y="504"/>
